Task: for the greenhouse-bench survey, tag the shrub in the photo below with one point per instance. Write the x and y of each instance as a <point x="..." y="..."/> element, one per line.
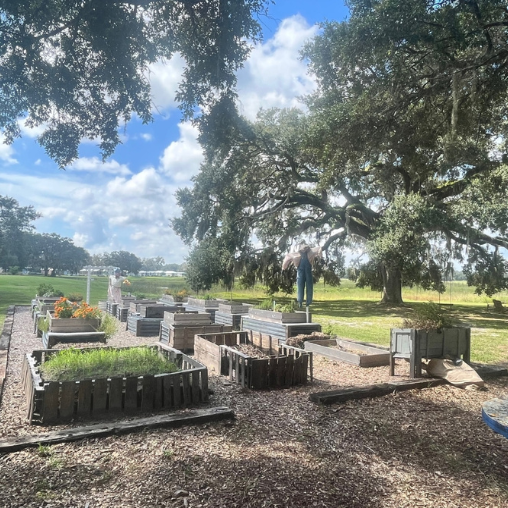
<point x="429" y="316"/>
<point x="14" y="270"/>
<point x="44" y="289"/>
<point x="74" y="297"/>
<point x="108" y="325"/>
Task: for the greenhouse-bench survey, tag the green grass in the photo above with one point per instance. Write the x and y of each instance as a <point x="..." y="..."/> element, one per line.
<point x="346" y="311"/>
<point x="75" y="364"/>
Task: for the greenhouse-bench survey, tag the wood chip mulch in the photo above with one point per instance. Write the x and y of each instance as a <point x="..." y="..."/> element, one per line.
<point x="423" y="448"/>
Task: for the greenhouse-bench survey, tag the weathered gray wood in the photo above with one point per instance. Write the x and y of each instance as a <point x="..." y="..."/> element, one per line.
<point x="67" y="400"/>
<point x="131" y="394"/>
<point x="50" y="403"/>
<point x="377" y="390"/>
<point x="84" y="397"/>
<point x="102" y="430"/>
<point x="115" y="394"/>
<point x="100" y="393"/>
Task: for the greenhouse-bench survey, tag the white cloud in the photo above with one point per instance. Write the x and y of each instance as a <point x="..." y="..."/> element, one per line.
<point x="6" y="152"/>
<point x="146" y="136"/>
<point x="164" y="79"/>
<point x="182" y="158"/>
<point x="274" y="75"/>
<point x="95" y="165"/>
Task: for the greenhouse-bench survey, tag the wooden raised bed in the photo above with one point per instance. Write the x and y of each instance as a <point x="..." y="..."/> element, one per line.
<point x="182" y="336"/>
<point x="287" y="365"/>
<point x="143" y="327"/>
<point x="170" y="299"/>
<point x="280" y="330"/>
<point x="414" y="345"/>
<point x="349" y="352"/>
<point x="157" y="310"/>
<point x="231" y="314"/>
<point x="136" y="304"/>
<point x="279" y="317"/>
<point x="72" y="325"/>
<point x="122" y="313"/>
<point x="111" y="308"/>
<point x="53" y="402"/>
<point x="49" y="339"/>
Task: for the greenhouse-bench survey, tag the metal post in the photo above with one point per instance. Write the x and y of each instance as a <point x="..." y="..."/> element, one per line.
<point x="89" y="274"/>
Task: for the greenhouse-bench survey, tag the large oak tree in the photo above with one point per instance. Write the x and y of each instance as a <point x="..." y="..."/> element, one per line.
<point x="80" y="68"/>
<point x="402" y="150"/>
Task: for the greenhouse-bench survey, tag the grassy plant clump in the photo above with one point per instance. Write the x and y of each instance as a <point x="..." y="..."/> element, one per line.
<point x="76" y="364"/>
<point x="428" y="317"/>
<point x="109" y="325"/>
<point x="75" y="297"/>
<point x="267" y="304"/>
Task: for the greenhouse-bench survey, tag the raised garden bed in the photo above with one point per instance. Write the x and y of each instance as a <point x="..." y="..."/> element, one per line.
<point x="285" y="366"/>
<point x="54" y="402"/>
<point x="135" y="305"/>
<point x="347" y="351"/>
<point x="157" y="310"/>
<point x="143" y="327"/>
<point x="122" y="313"/>
<point x="71" y="325"/>
<point x="278" y="317"/>
<point x="111" y="308"/>
<point x="276" y="329"/>
<point x="181" y="336"/>
<point x="414" y="345"/>
<point x="49" y="339"/>
<point x="231" y="314"/>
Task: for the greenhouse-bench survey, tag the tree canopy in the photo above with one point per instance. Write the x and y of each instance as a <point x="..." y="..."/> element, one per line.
<point x="80" y="68"/>
<point x="402" y="150"/>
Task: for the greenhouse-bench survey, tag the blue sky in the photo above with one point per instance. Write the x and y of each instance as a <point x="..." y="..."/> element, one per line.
<point x="126" y="202"/>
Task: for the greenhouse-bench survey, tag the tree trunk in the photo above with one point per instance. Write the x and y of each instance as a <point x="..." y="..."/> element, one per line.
<point x="392" y="285"/>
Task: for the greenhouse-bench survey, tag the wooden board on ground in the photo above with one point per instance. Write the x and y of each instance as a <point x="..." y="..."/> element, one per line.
<point x="197" y="416"/>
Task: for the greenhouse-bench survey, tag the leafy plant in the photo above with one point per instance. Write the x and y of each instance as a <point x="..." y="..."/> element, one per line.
<point x="75" y="364"/>
<point x="44" y="289"/>
<point x="429" y="316"/>
<point x="108" y="325"/>
<point x="266" y="304"/>
<point x="64" y="308"/>
<point x="44" y="451"/>
<point x="43" y="324"/>
<point x="75" y="297"/>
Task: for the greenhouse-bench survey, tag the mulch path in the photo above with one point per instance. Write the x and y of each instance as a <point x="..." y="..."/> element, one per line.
<point x="420" y="448"/>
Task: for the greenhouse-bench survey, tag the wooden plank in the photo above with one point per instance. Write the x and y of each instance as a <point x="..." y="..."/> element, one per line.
<point x="194" y="417"/>
<point x="157" y="402"/>
<point x="131" y="394"/>
<point x="288" y="371"/>
<point x="67" y="399"/>
<point x="100" y="395"/>
<point x="168" y="392"/>
<point x="84" y="397"/>
<point x="186" y="389"/>
<point x="50" y="403"/>
<point x="281" y="371"/>
<point x="204" y="385"/>
<point x="377" y="390"/>
<point x="195" y="386"/>
<point x="177" y="392"/>
<point x="148" y="393"/>
<point x="115" y="394"/>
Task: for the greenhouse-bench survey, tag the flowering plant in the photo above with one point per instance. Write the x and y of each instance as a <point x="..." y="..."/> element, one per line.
<point x="66" y="309"/>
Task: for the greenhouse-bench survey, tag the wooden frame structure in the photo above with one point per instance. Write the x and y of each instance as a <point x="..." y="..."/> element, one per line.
<point x="53" y="402"/>
<point x="287" y="365"/>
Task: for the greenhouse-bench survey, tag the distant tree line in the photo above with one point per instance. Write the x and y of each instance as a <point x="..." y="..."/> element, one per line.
<point x="21" y="247"/>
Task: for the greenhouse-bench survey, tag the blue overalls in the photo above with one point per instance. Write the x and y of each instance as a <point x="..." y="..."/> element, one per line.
<point x="304" y="279"/>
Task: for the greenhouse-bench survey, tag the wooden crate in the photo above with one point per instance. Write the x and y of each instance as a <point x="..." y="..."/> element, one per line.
<point x="352" y="352"/>
<point x="182" y="337"/>
<point x="224" y="318"/>
<point x="55" y="402"/>
<point x="72" y="325"/>
<point x="279" y="317"/>
<point x="288" y="366"/>
<point x="143" y="327"/>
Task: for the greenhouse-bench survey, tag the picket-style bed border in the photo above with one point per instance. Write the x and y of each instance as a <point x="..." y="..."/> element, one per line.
<point x="54" y="402"/>
<point x="287" y="365"/>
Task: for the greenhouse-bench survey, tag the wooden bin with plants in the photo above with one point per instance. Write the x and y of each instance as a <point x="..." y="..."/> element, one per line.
<point x="281" y="322"/>
<point x="430" y="333"/>
<point x="259" y="366"/>
<point x="96" y="382"/>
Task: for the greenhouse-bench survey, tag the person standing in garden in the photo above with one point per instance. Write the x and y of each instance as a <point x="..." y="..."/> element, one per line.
<point x="115" y="286"/>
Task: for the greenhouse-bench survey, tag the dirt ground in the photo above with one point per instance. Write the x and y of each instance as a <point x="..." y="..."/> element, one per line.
<point x="425" y="448"/>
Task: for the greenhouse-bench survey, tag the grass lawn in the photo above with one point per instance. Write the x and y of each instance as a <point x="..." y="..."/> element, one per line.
<point x="346" y="311"/>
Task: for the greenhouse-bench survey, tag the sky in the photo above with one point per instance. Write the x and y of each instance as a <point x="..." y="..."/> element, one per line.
<point x="126" y="202"/>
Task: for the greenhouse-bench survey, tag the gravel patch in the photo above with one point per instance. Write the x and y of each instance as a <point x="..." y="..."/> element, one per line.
<point x="419" y="448"/>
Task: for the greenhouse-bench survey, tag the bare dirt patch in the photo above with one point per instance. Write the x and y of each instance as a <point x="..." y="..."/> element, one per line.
<point x="420" y="448"/>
